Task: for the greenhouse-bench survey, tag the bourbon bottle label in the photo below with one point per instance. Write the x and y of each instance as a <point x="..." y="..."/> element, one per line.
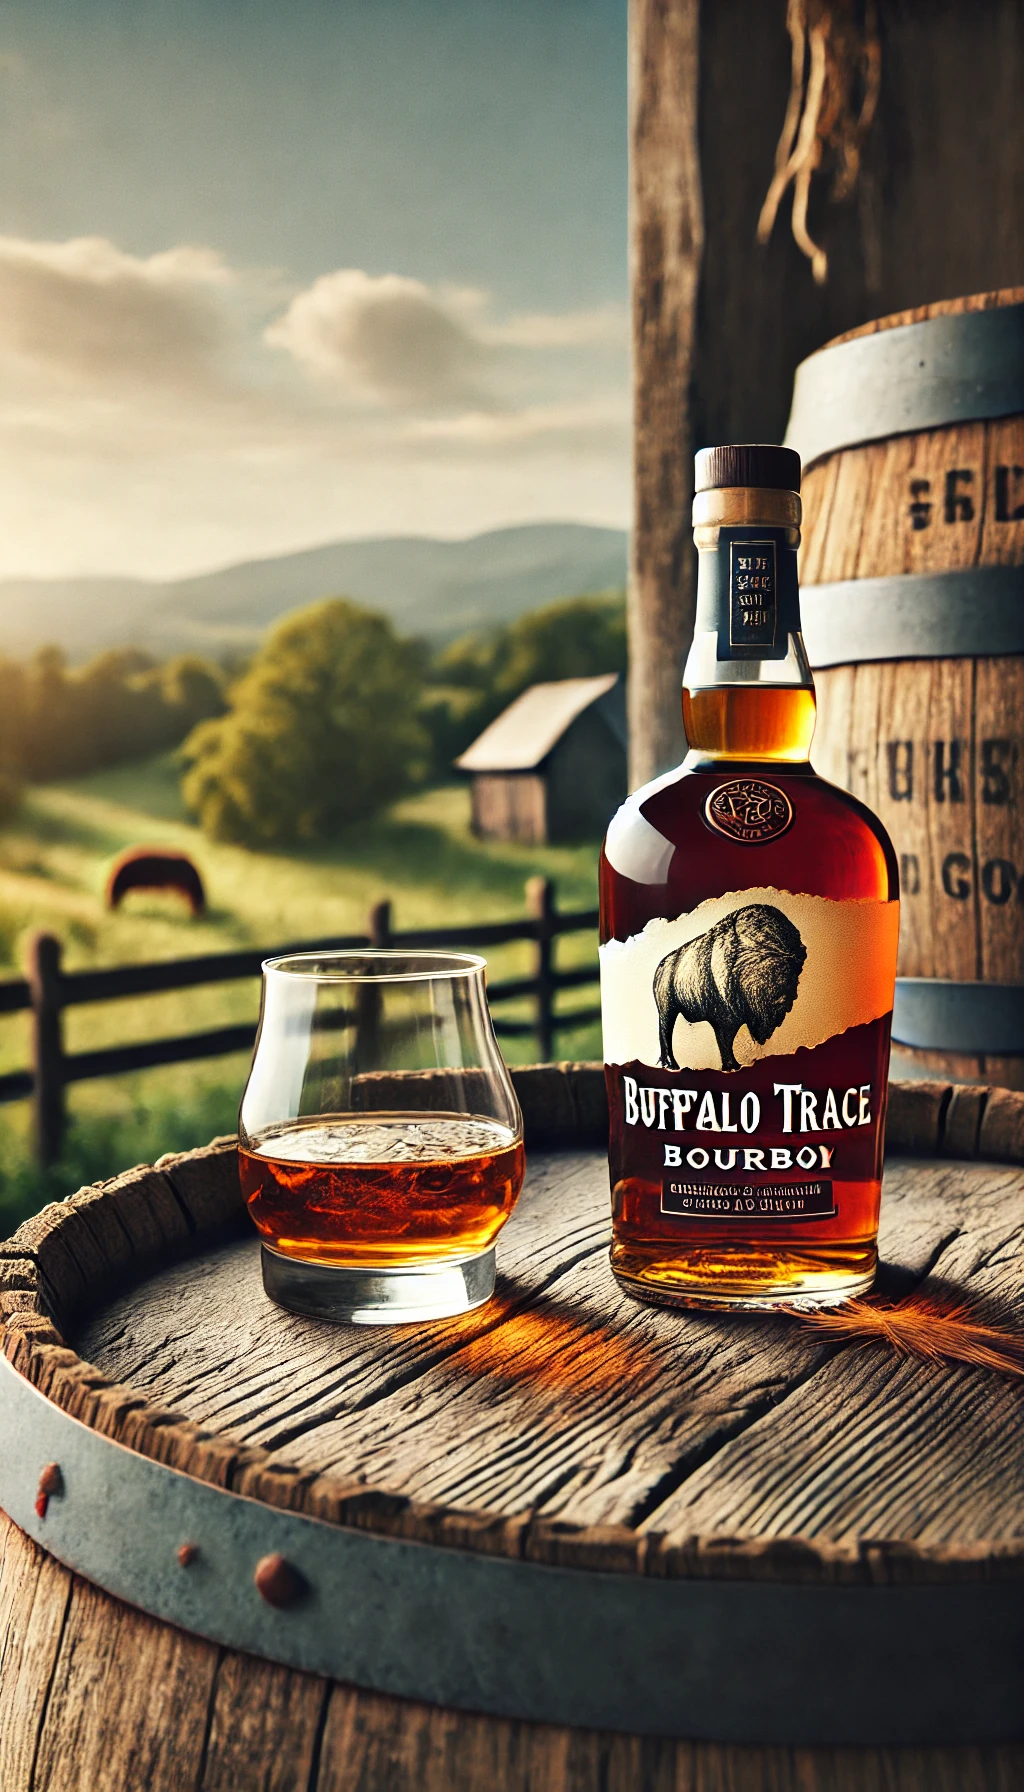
<point x="753" y="594"/>
<point x="748" y="593"/>
<point x="745" y="1046"/>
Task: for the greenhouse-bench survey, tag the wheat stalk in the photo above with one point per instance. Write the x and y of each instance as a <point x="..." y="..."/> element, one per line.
<point x="923" y="1327"/>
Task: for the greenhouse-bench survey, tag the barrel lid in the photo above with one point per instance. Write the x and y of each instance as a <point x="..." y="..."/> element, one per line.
<point x="762" y="464"/>
<point x="318" y="1564"/>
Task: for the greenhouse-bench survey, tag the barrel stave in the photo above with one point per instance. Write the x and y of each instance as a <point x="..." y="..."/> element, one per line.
<point x="934" y="501"/>
<point x="935" y="746"/>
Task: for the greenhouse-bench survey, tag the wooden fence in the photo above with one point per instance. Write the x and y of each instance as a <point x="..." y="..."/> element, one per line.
<point x="48" y="990"/>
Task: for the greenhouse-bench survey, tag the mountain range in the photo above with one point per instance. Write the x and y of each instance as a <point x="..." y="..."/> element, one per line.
<point x="428" y="587"/>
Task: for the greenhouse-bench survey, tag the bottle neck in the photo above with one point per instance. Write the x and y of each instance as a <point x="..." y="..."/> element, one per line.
<point x="747" y="688"/>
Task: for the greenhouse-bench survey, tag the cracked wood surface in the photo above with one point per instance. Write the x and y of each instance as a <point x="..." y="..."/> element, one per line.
<point x="561" y="1394"/>
<point x="565" y="1399"/>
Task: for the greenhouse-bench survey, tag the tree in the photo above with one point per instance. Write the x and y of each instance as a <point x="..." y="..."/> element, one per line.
<point x="56" y="723"/>
<point x="577" y="637"/>
<point x="322" y="731"/>
<point x="476" y="677"/>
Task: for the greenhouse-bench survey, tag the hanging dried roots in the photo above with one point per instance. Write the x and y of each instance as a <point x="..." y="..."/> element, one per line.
<point x="833" y="96"/>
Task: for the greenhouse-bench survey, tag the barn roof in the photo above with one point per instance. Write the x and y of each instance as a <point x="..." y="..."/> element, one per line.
<point x="526" y="731"/>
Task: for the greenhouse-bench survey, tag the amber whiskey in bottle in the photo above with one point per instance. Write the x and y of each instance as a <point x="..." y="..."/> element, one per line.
<point x="749" y="921"/>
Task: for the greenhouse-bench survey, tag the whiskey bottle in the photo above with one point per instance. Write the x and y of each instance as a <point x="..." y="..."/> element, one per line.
<point x="749" y="920"/>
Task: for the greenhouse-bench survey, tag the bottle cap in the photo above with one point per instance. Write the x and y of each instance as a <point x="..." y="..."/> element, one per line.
<point x="748" y="463"/>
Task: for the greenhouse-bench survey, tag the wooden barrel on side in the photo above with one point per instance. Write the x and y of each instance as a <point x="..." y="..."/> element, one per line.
<point x="560" y="1543"/>
<point x="912" y="572"/>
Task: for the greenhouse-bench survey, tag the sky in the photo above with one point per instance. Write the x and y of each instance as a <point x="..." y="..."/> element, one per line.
<point x="273" y="275"/>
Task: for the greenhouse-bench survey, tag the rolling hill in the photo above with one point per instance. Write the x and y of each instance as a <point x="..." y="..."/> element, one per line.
<point x="427" y="587"/>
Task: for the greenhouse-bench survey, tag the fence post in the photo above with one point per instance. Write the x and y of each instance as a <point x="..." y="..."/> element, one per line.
<point x="368" y="1002"/>
<point x="47" y="1048"/>
<point x="540" y="903"/>
<point x="380" y="923"/>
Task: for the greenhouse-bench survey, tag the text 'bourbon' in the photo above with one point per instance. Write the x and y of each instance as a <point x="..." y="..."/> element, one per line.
<point x="749" y="921"/>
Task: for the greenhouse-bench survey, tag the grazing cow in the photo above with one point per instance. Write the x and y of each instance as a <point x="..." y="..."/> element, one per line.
<point x="156" y="868"/>
<point x="742" y="972"/>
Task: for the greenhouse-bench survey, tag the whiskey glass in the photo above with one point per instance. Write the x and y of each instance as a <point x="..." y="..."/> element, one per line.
<point x="380" y="1139"/>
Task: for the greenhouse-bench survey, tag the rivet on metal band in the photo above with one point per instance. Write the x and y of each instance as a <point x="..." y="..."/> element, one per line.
<point x="951" y="369"/>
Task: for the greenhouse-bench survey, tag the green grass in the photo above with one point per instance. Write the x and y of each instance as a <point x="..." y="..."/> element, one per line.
<point x="54" y="860"/>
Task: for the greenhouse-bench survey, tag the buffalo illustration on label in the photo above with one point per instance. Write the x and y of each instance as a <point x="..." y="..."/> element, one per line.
<point x="743" y="971"/>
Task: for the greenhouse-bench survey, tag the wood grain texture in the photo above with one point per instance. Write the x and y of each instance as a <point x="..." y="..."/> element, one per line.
<point x="872" y="1447"/>
<point x="564" y="1405"/>
<point x="935" y="747"/>
<point x="666" y="244"/>
<point x="560" y="1355"/>
<point x="913" y="232"/>
<point x="34" y="1595"/>
<point x="953" y="307"/>
<point x="117" y="1664"/>
<point x="264" y="1729"/>
<point x="710" y="1448"/>
<point x="863" y="520"/>
<point x="260" y="1727"/>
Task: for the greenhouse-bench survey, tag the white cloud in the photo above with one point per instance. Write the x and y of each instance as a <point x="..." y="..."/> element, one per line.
<point x="530" y="424"/>
<point x="165" y="413"/>
<point x="606" y="325"/>
<point x="84" y="310"/>
<point x="387" y="336"/>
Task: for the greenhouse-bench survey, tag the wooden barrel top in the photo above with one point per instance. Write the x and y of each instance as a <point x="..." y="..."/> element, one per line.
<point x="919" y="314"/>
<point x="561" y="1422"/>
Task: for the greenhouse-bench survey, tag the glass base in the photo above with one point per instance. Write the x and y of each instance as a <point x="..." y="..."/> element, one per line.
<point x="747" y="1285"/>
<point x="378" y="1296"/>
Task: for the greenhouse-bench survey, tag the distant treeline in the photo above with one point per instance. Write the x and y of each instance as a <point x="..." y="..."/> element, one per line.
<point x="56" y="722"/>
<point x="334" y="717"/>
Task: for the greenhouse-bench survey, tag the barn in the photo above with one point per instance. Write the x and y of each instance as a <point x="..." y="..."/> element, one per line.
<point x="552" y="767"/>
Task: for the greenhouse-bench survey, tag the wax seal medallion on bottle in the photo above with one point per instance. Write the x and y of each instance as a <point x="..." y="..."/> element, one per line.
<point x="748" y="810"/>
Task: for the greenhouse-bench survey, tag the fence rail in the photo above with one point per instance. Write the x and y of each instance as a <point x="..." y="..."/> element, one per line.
<point x="48" y="990"/>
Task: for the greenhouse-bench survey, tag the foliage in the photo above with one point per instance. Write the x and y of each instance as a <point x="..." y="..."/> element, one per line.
<point x="476" y="677"/>
<point x="121" y="705"/>
<point x="144" y="1126"/>
<point x="54" y="861"/>
<point x="322" y="731"/>
<point x="10" y="794"/>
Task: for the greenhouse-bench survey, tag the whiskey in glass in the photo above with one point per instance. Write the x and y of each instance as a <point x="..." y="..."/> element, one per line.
<point x="380" y="1141"/>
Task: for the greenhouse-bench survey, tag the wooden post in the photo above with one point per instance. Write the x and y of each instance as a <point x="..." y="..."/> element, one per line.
<point x="47" y="1048"/>
<point x="718" y="367"/>
<point x="540" y="903"/>
<point x="666" y="248"/>
<point x="368" y="997"/>
<point x="380" y="923"/>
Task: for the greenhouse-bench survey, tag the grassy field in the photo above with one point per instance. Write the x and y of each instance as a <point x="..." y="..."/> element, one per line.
<point x="54" y="857"/>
